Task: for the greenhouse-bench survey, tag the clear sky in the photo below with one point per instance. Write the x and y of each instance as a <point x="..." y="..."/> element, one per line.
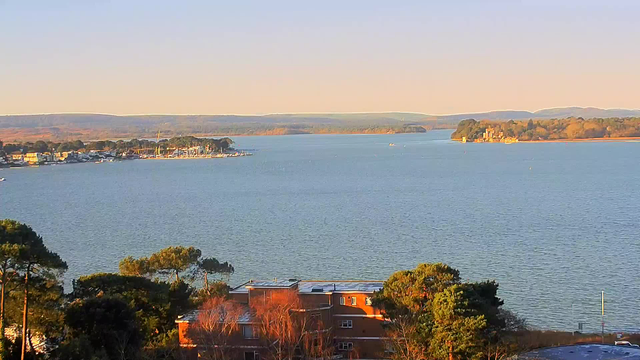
<point x="256" y="57"/>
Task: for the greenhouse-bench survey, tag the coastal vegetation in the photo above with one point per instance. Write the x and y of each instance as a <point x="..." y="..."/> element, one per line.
<point x="431" y="313"/>
<point x="434" y="315"/>
<point x="61" y="127"/>
<point x="106" y="315"/>
<point x="217" y="145"/>
<point x="553" y="129"/>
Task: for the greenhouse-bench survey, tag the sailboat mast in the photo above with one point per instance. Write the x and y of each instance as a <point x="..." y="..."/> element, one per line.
<point x="158" y="144"/>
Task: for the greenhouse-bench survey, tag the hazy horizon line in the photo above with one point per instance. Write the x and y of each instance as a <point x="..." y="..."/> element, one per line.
<point x="318" y="113"/>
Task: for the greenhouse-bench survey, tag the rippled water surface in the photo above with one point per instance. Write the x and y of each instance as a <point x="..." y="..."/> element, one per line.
<point x="553" y="223"/>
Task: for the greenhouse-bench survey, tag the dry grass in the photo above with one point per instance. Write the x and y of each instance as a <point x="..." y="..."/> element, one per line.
<point x="535" y="339"/>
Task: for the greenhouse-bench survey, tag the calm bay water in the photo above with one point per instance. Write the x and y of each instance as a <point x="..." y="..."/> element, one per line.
<point x="553" y="223"/>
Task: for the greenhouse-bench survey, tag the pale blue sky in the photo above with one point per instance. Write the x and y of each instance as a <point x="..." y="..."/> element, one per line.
<point x="254" y="57"/>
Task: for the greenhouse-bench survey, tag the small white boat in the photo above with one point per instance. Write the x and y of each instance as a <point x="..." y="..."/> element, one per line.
<point x="2" y="179"/>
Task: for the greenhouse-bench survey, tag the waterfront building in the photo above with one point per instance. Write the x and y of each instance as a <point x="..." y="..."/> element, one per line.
<point x="195" y="151"/>
<point x="177" y="153"/>
<point x="34" y="158"/>
<point x="17" y="156"/>
<point x="67" y="155"/>
<point x="343" y="308"/>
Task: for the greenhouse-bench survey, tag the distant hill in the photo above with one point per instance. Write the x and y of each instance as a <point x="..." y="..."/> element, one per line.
<point x="586" y="113"/>
<point x="101" y="126"/>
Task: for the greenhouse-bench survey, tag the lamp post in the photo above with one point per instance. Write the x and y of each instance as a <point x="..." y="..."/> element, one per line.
<point x="603" y="316"/>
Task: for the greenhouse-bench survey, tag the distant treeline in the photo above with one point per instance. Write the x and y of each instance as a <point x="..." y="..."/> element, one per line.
<point x="64" y="127"/>
<point x="555" y="129"/>
<point x="378" y="129"/>
<point x="120" y="145"/>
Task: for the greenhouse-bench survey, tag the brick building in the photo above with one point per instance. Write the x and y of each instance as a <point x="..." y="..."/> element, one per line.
<point x="344" y="309"/>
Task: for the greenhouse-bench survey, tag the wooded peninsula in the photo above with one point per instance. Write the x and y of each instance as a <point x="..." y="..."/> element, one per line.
<point x="547" y="130"/>
<point x="49" y="153"/>
<point x="120" y="145"/>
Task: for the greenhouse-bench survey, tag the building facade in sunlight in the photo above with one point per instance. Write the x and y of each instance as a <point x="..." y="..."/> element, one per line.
<point x="340" y="312"/>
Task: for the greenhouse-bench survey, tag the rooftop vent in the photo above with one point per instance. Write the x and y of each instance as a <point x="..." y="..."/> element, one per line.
<point x="317" y="289"/>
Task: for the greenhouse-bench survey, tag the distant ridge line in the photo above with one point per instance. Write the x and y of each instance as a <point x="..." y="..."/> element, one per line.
<point x="488" y="115"/>
<point x="106" y="126"/>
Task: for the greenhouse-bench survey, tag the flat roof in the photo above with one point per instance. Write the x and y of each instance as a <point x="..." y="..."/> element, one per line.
<point x="308" y="286"/>
<point x="326" y="286"/>
<point x="192" y="316"/>
<point x="264" y="284"/>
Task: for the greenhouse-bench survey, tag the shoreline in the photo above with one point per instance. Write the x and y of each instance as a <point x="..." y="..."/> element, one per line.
<point x="116" y="137"/>
<point x="620" y="139"/>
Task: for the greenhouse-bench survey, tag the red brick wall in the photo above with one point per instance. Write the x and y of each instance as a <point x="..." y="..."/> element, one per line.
<point x="242" y="298"/>
<point x="182" y="333"/>
<point x="362" y="327"/>
<point x="360" y="307"/>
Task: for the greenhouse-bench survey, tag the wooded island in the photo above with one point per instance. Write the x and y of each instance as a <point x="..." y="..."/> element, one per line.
<point x="541" y="130"/>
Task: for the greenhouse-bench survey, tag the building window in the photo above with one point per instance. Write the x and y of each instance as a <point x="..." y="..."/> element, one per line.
<point x="251" y="355"/>
<point x="342" y="300"/>
<point x="346" y="324"/>
<point x="353" y="300"/>
<point x="345" y="346"/>
<point x="367" y="301"/>
<point x="247" y="332"/>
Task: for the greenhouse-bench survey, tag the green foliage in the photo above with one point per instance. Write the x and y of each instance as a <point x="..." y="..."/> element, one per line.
<point x="175" y="260"/>
<point x="25" y="255"/>
<point x="411" y="291"/>
<point x="209" y="266"/>
<point x="217" y="289"/>
<point x="10" y="248"/>
<point x="160" y="303"/>
<point x="218" y="145"/>
<point x="212" y="265"/>
<point x="46" y="305"/>
<point x="40" y="146"/>
<point x="168" y="262"/>
<point x="135" y="267"/>
<point x="108" y="324"/>
<point x="69" y="146"/>
<point x="148" y="299"/>
<point x="155" y="304"/>
<point x="14" y="351"/>
<point x="78" y="348"/>
<point x="180" y="298"/>
<point x="110" y="316"/>
<point x="32" y="253"/>
<point x="433" y="313"/>
<point x="554" y="129"/>
<point x="165" y="347"/>
<point x="458" y="325"/>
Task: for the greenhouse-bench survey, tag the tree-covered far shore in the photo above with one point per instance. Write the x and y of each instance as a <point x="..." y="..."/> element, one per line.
<point x="554" y="129"/>
<point x="217" y="145"/>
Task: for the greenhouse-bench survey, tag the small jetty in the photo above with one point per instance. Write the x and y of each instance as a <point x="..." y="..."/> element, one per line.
<point x="188" y="155"/>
